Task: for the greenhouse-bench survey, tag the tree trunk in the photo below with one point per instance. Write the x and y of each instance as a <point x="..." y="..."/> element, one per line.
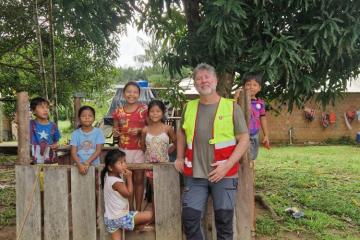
<point x="40" y="52"/>
<point x="192" y="14"/>
<point x="225" y="83"/>
<point x="53" y="62"/>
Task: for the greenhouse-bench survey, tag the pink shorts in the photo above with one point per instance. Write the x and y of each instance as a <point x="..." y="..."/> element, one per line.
<point x="134" y="156"/>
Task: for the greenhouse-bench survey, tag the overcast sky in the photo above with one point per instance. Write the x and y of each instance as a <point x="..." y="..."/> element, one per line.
<point x="130" y="47"/>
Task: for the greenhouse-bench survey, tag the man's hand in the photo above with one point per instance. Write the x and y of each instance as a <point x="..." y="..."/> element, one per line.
<point x="179" y="165"/>
<point x="221" y="168"/>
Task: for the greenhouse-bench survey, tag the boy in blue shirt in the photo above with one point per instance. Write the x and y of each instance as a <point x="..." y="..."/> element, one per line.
<point x="44" y="134"/>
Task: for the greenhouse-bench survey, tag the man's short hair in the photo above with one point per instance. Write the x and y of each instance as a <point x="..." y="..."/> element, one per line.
<point x="203" y="66"/>
<point x="37" y="101"/>
<point x="253" y="76"/>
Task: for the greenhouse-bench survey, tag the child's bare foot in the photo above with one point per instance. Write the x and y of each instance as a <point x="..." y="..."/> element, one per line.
<point x="144" y="227"/>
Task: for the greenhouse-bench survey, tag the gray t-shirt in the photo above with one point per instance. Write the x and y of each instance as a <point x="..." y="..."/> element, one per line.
<point x="203" y="151"/>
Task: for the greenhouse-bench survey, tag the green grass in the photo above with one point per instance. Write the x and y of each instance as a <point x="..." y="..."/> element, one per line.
<point x="7" y="191"/>
<point x="65" y="130"/>
<point x="323" y="181"/>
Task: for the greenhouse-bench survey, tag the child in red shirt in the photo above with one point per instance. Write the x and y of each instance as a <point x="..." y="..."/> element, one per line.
<point x="129" y="120"/>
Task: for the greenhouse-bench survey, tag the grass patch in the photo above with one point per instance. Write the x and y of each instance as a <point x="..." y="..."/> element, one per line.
<point x="323" y="181"/>
<point x="65" y="130"/>
<point x="266" y="226"/>
<point x="7" y="192"/>
<point x="7" y="159"/>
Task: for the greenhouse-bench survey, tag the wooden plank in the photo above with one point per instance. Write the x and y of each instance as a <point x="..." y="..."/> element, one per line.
<point x="23" y="118"/>
<point x="77" y="105"/>
<point x="28" y="207"/>
<point x="1" y="122"/>
<point x="83" y="204"/>
<point x="104" y="235"/>
<point x="209" y="221"/>
<point x="56" y="209"/>
<point x="245" y="201"/>
<point x="167" y="203"/>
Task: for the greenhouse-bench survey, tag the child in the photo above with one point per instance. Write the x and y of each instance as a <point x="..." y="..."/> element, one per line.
<point x="116" y="194"/>
<point x="86" y="141"/>
<point x="157" y="136"/>
<point x="129" y="120"/>
<point x="44" y="134"/>
<point x="252" y="83"/>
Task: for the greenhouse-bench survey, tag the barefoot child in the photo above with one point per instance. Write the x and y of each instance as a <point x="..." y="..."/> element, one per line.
<point x="129" y="120"/>
<point x="158" y="140"/>
<point x="116" y="180"/>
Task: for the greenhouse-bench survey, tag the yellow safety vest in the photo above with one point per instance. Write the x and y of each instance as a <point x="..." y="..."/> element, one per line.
<point x="223" y="137"/>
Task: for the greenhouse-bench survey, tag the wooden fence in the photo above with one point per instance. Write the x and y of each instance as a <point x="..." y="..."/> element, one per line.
<point x="69" y="207"/>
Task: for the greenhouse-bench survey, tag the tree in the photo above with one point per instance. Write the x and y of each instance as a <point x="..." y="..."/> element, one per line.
<point x="83" y="33"/>
<point x="300" y="47"/>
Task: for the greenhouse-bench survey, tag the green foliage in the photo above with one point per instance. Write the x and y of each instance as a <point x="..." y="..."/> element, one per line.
<point x="7" y="191"/>
<point x="8" y="108"/>
<point x="85" y="47"/>
<point x="299" y="46"/>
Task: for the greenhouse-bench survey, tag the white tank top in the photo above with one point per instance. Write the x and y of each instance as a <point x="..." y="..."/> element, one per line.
<point x="116" y="206"/>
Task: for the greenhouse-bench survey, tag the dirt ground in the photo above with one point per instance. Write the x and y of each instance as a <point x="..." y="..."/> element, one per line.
<point x="8" y="233"/>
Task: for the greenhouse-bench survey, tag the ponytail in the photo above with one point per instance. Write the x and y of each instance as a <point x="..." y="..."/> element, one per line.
<point x="110" y="159"/>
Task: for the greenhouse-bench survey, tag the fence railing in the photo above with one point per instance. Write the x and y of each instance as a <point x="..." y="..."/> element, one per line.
<point x="69" y="203"/>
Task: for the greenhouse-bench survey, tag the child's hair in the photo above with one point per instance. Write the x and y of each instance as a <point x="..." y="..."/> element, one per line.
<point x="83" y="108"/>
<point x="253" y="76"/>
<point x="131" y="84"/>
<point x="160" y="104"/>
<point x="37" y="101"/>
<point x="110" y="159"/>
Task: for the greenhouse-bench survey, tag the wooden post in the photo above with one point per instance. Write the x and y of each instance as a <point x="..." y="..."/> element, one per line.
<point x="24" y="128"/>
<point x="1" y="122"/>
<point x="167" y="206"/>
<point x="245" y="205"/>
<point x="77" y="105"/>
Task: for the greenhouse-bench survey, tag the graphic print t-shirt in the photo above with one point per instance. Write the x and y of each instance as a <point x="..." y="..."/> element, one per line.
<point x="128" y="121"/>
<point x="86" y="143"/>
<point x="41" y="137"/>
<point x="257" y="111"/>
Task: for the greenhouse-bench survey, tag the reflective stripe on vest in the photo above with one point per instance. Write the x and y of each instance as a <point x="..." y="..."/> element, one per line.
<point x="223" y="133"/>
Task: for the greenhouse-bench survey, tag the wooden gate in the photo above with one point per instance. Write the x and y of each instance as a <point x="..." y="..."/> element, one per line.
<point x="69" y="206"/>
